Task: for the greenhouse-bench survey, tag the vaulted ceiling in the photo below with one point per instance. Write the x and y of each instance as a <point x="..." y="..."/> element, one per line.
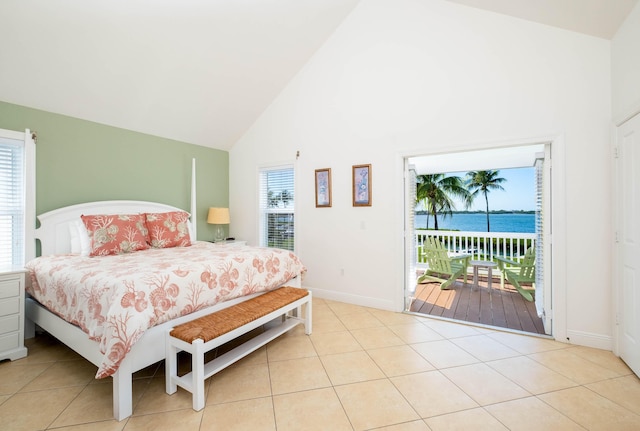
<point x="199" y="71"/>
<point x="600" y="18"/>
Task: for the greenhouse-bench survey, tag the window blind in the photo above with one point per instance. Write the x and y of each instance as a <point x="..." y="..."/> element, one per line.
<point x="277" y="203"/>
<point x="539" y="167"/>
<point x="12" y="202"/>
<point x="410" y="233"/>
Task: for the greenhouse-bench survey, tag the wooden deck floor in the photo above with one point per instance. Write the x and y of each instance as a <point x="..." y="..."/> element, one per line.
<point x="504" y="308"/>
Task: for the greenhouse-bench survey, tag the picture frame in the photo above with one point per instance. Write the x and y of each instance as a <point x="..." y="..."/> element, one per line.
<point x="361" y="187"/>
<point x="323" y="188"/>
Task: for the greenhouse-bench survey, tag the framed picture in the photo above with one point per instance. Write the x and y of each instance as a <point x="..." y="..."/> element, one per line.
<point x="323" y="188"/>
<point x="362" y="185"/>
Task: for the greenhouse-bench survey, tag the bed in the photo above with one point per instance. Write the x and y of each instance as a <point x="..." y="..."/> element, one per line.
<point x="145" y="341"/>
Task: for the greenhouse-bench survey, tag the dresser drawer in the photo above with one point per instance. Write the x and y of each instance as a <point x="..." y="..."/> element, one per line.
<point x="12" y="314"/>
<point x="9" y="342"/>
<point x="9" y="306"/>
<point x="9" y="324"/>
<point x="9" y="287"/>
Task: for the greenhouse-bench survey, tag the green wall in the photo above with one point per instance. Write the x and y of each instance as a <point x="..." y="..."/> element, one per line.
<point x="80" y="161"/>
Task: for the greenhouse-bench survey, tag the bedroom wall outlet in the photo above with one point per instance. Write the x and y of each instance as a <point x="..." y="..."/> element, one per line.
<point x="341" y="271"/>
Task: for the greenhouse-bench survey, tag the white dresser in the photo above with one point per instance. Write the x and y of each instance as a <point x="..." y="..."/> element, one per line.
<point x="12" y="314"/>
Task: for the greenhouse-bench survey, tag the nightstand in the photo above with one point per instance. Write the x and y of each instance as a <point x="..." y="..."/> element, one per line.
<point x="231" y="242"/>
<point x="12" y="314"/>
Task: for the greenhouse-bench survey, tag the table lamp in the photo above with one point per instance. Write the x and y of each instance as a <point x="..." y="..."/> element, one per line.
<point x="218" y="217"/>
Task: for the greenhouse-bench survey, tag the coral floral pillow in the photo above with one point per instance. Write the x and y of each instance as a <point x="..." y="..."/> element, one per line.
<point x="170" y="229"/>
<point x="116" y="233"/>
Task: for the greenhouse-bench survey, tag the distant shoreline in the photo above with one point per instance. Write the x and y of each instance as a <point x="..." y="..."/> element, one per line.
<point x="484" y="212"/>
<point x="476" y="221"/>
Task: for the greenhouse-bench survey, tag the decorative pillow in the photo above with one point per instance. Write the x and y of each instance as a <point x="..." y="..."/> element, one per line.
<point x="170" y="229"/>
<point x="116" y="233"/>
<point x="80" y="243"/>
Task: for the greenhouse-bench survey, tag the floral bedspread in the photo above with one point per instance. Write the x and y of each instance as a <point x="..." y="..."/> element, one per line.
<point x="115" y="299"/>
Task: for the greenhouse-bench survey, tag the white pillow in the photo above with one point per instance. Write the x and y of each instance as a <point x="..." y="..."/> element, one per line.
<point x="80" y="243"/>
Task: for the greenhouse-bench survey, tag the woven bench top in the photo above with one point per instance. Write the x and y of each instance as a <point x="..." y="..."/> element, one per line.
<point x="216" y="324"/>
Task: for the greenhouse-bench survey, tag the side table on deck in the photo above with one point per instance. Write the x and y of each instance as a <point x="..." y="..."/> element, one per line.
<point x="477" y="264"/>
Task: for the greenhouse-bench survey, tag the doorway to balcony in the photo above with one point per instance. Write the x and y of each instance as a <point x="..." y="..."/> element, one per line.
<point x="492" y="301"/>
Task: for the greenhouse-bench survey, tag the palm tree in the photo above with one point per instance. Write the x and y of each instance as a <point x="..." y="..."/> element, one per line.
<point x="436" y="190"/>
<point x="483" y="182"/>
<point x="272" y="199"/>
<point x="285" y="197"/>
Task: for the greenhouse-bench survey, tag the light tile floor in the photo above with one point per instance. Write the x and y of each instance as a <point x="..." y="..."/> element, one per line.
<point x="362" y="369"/>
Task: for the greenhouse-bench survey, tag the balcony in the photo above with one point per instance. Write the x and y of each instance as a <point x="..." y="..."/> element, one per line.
<point x="499" y="306"/>
<point x="480" y="245"/>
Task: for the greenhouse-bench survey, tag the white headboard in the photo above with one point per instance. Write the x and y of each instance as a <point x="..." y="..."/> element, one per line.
<point x="54" y="234"/>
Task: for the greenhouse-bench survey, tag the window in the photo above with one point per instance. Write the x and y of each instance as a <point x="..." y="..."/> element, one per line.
<point x="13" y="199"/>
<point x="277" y="214"/>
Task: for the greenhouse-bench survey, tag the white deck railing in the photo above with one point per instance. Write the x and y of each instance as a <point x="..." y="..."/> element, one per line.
<point x="480" y="245"/>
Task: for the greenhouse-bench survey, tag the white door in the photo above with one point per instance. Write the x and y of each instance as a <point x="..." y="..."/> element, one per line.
<point x="409" y="233"/>
<point x="543" y="240"/>
<point x="628" y="271"/>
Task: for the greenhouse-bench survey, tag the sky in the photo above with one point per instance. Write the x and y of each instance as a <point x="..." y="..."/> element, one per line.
<point x="518" y="194"/>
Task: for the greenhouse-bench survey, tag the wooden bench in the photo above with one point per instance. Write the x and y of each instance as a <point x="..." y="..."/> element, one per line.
<point x="208" y="332"/>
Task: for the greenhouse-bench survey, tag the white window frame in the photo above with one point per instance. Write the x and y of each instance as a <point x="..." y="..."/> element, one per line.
<point x="264" y="209"/>
<point x="23" y="248"/>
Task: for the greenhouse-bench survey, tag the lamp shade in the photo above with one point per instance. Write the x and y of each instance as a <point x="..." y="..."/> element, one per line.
<point x="218" y="216"/>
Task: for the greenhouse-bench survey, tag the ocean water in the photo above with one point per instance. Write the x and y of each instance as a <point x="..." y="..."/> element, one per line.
<point x="477" y="222"/>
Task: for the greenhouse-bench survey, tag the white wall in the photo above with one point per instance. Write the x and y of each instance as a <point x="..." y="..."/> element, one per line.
<point x="426" y="76"/>
<point x="625" y="67"/>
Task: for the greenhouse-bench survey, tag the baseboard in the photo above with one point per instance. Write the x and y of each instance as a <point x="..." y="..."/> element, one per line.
<point x="589" y="339"/>
<point x="364" y="301"/>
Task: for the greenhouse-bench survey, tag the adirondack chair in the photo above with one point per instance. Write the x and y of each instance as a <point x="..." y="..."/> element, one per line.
<point x="441" y="266"/>
<point x="517" y="273"/>
<point x="422" y="257"/>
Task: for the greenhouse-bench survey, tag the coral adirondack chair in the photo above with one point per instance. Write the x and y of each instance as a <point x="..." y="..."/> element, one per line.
<point x="441" y="266"/>
<point x="517" y="273"/>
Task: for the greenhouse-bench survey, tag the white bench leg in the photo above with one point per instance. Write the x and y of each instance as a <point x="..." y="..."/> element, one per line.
<point x="197" y="374"/>
<point x="307" y="317"/>
<point x="171" y="366"/>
